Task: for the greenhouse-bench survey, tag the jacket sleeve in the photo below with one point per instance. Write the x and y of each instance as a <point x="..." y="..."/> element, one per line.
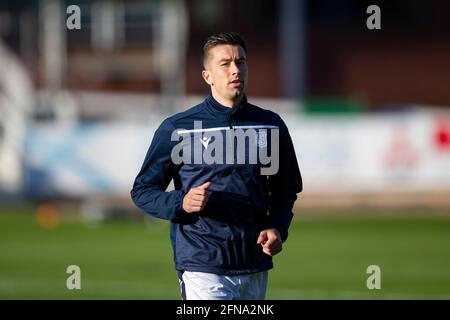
<point x="148" y="192"/>
<point x="284" y="185"/>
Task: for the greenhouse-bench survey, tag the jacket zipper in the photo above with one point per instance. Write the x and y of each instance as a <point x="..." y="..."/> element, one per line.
<point x="230" y="120"/>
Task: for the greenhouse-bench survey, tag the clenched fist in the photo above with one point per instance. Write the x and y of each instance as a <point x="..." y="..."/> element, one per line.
<point x="270" y="241"/>
<point x="195" y="200"/>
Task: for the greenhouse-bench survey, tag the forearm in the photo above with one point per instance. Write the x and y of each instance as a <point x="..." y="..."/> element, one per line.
<point x="280" y="214"/>
<point x="158" y="203"/>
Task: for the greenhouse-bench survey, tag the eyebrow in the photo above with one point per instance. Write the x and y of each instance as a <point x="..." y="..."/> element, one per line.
<point x="229" y="59"/>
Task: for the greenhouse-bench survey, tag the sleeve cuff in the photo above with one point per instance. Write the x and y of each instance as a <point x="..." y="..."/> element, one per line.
<point x="179" y="211"/>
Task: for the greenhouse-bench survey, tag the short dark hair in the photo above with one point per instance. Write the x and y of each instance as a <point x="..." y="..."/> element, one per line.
<point x="232" y="38"/>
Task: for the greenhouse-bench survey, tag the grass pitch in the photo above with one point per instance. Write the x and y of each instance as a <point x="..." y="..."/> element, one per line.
<point x="325" y="257"/>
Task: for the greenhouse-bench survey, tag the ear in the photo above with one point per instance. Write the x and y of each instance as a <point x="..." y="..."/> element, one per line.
<point x="207" y="77"/>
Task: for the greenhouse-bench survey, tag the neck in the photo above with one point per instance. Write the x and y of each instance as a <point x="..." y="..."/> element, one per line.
<point x="230" y="103"/>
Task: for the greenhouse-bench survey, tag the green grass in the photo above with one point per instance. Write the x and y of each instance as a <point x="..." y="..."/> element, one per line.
<point x="324" y="258"/>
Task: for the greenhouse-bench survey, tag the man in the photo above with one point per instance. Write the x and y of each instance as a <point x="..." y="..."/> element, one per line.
<point x="228" y="216"/>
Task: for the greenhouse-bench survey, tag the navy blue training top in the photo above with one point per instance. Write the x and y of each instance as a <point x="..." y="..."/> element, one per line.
<point x="242" y="200"/>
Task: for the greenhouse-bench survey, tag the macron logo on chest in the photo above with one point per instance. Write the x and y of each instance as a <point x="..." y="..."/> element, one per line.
<point x="205" y="141"/>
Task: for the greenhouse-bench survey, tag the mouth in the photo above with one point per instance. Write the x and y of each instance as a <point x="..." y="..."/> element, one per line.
<point x="236" y="82"/>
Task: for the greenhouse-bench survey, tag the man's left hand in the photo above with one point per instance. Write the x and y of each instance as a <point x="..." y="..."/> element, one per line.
<point x="270" y="240"/>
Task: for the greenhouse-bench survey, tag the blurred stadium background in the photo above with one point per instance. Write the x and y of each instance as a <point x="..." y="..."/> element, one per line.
<point x="368" y="110"/>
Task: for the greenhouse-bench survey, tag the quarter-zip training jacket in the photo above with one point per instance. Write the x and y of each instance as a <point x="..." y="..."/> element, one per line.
<point x="241" y="202"/>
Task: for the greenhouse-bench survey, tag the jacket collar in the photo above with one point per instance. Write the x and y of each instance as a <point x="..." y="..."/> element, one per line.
<point x="216" y="106"/>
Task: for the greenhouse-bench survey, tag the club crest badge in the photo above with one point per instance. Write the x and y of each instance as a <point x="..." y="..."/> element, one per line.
<point x="261" y="139"/>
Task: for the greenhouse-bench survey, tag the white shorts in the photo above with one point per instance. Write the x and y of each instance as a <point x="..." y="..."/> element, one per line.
<point x="210" y="286"/>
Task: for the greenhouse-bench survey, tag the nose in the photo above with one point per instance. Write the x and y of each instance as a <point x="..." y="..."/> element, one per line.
<point x="234" y="68"/>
